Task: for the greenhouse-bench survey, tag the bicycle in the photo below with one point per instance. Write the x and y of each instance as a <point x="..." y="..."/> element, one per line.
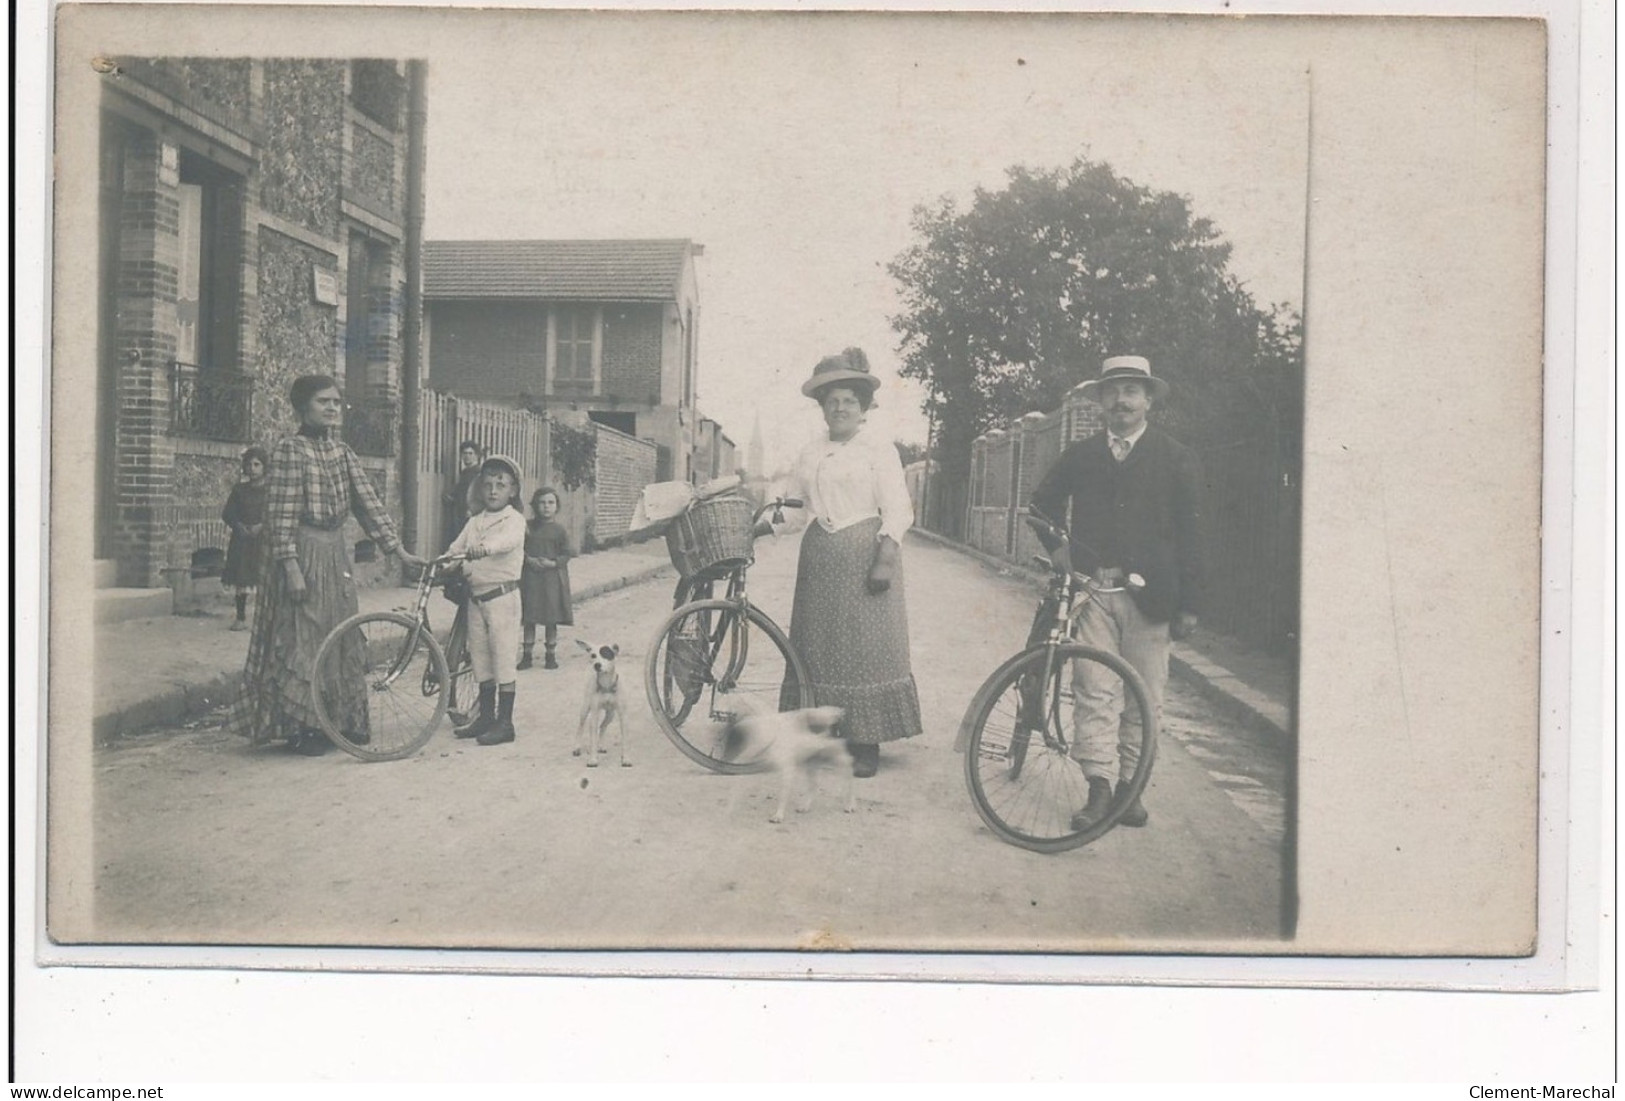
<point x="461" y="693"/>
<point x="1018" y="731"/>
<point x="718" y="657"/>
<point x="380" y="682"/>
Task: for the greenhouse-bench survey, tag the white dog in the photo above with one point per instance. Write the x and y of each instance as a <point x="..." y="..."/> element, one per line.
<point x="602" y="705"/>
<point x="796" y="744"/>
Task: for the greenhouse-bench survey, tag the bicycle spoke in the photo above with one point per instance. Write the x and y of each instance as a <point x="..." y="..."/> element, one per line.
<point x="712" y="663"/>
<point x="370" y="679"/>
<point x="1024" y="782"/>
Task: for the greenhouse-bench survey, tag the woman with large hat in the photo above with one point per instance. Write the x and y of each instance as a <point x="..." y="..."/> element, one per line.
<point x="849" y="621"/>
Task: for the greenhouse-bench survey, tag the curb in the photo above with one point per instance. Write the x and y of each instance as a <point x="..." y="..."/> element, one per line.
<point x="1228" y="692"/>
<point x="174" y="705"/>
<point x="180" y="702"/>
<point x="1239" y="700"/>
<point x="648" y="573"/>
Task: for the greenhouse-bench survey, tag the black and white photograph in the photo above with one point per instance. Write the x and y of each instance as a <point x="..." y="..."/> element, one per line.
<point x="870" y="487"/>
<point x="340" y="296"/>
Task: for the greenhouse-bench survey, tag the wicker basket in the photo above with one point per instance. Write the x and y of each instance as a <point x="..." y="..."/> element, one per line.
<point x="712" y="537"/>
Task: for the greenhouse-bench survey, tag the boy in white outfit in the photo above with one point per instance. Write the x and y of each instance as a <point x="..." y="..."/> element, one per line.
<point x="494" y="541"/>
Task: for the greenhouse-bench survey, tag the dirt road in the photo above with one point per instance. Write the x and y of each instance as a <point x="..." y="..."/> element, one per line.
<point x="200" y="839"/>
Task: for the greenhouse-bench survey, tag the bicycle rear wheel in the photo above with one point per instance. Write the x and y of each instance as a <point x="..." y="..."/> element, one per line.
<point x="712" y="662"/>
<point x="1018" y="757"/>
<point x="369" y="686"/>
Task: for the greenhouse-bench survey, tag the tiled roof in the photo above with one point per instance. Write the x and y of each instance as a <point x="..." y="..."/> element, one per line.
<point x="647" y="270"/>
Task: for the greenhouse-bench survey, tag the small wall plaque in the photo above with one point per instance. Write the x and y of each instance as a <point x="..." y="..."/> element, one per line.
<point x="324" y="286"/>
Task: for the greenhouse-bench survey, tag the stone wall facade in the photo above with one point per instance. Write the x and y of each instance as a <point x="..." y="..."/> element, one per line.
<point x="302" y="164"/>
<point x="235" y="193"/>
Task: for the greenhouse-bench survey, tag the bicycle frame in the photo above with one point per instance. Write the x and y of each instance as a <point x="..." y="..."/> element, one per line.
<point x="1070" y="591"/>
<point x="728" y="628"/>
<point x="421" y="613"/>
<point x="737" y="626"/>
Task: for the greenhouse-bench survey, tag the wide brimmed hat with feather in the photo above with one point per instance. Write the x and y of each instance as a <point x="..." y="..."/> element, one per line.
<point x="850" y="366"/>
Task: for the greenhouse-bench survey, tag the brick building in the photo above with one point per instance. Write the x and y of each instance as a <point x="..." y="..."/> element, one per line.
<point x="256" y="224"/>
<point x="605" y="328"/>
<point x="715" y="455"/>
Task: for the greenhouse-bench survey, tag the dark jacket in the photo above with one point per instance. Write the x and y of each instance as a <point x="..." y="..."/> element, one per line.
<point x="456" y="511"/>
<point x="1140" y="515"/>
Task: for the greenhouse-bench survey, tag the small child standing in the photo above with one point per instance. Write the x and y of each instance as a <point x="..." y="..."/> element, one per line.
<point x="494" y="541"/>
<point x="244" y="514"/>
<point x="545" y="587"/>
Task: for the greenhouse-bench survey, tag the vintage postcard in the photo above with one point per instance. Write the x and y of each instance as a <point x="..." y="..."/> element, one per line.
<point x="1255" y="307"/>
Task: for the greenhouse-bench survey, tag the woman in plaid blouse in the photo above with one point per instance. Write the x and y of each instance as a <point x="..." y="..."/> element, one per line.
<point x="308" y="588"/>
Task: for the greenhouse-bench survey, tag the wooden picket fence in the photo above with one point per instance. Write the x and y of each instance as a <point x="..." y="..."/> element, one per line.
<point x="592" y="514"/>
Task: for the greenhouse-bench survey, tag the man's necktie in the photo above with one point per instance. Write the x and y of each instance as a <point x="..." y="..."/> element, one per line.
<point x="1120" y="448"/>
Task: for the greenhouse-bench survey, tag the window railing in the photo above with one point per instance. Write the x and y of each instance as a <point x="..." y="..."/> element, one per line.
<point x="370" y="425"/>
<point x="211" y="403"/>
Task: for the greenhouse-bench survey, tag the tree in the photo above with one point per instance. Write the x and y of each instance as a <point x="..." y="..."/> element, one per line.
<point x="1011" y="303"/>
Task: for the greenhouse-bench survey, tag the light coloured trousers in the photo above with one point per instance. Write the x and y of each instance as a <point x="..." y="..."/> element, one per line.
<point x="493" y="637"/>
<point x="1106" y="732"/>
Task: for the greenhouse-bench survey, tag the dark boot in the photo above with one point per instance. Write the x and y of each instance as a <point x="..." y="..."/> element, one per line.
<point x="550" y="657"/>
<point x="1136" y="815"/>
<point x="310" y="742"/>
<point x="488" y="712"/>
<point x="502" y="730"/>
<point x="1100" y="802"/>
<point x="865" y="759"/>
<point x="524" y="659"/>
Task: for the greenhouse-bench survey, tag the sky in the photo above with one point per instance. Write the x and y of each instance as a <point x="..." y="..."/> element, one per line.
<point x="795" y="147"/>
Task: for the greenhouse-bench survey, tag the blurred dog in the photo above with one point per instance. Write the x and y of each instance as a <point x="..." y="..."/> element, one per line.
<point x="796" y="744"/>
<point x="602" y="705"/>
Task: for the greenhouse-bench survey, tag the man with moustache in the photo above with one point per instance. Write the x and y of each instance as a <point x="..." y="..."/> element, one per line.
<point x="1129" y="496"/>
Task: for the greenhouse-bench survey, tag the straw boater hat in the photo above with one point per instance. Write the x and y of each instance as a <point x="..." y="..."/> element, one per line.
<point x="850" y="366"/>
<point x="1130" y="368"/>
<point x="505" y="463"/>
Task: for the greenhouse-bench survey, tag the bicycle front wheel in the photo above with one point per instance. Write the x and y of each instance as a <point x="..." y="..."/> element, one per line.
<point x="371" y="686"/>
<point x="712" y="662"/>
<point x="1019" y="753"/>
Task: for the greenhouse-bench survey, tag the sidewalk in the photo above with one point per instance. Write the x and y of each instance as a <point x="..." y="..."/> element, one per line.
<point x="169" y="669"/>
<point x="1252" y="687"/>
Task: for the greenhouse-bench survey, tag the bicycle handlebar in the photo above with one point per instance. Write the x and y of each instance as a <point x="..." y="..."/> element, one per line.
<point x="777" y="506"/>
<point x="1132" y="583"/>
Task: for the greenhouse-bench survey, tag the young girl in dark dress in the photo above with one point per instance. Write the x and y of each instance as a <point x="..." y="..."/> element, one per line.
<point x="544" y="588"/>
<point x="244" y="514"/>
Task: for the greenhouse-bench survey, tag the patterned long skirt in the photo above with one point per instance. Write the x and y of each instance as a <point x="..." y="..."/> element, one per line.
<point x="276" y="701"/>
<point x="854" y="642"/>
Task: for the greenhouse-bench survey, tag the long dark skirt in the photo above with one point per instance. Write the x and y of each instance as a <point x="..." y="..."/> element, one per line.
<point x="544" y="597"/>
<point x="276" y="700"/>
<point x="245" y="561"/>
<point x="855" y="643"/>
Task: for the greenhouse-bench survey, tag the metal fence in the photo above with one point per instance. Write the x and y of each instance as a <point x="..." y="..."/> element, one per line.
<point x="1250" y="527"/>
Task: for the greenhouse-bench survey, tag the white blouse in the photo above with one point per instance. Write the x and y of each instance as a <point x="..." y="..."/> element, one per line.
<point x="502" y="535"/>
<point x="846" y="483"/>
